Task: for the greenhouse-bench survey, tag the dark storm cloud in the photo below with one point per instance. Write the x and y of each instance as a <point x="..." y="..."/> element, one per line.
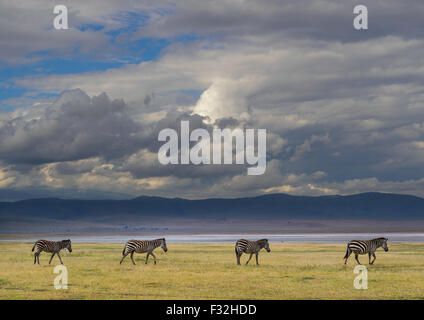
<point x="75" y="127"/>
<point x="320" y="20"/>
<point x="78" y="127"/>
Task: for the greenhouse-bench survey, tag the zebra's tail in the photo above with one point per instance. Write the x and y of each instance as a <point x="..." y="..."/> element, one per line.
<point x="123" y="251"/>
<point x="347" y="252"/>
<point x="34" y="246"/>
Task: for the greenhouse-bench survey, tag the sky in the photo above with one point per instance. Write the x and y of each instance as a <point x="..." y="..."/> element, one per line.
<point x="81" y="109"/>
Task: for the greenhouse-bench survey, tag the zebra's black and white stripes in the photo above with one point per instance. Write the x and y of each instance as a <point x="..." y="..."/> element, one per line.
<point x="364" y="247"/>
<point x="141" y="246"/>
<point x="252" y="247"/>
<point x="242" y="246"/>
<point x="50" y="246"/>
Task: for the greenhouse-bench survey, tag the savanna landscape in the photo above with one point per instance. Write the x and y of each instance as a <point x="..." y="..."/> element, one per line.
<point x="295" y="124"/>
<point x="209" y="271"/>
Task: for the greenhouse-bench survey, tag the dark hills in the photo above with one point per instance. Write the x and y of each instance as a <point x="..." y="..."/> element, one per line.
<point x="369" y="206"/>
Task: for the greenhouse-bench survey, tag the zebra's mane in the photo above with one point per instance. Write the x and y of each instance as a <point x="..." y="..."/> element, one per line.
<point x="262" y="241"/>
<point x="381" y="239"/>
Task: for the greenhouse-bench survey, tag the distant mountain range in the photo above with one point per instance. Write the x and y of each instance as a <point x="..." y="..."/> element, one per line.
<point x="142" y="213"/>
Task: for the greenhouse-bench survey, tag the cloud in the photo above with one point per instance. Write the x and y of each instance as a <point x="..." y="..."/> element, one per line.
<point x="343" y="109"/>
<point x="27" y="33"/>
<point x="326" y="20"/>
<point x="226" y="98"/>
<point x="74" y="127"/>
<point x="306" y="146"/>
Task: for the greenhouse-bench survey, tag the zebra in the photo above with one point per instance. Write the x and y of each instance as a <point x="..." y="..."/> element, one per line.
<point x="141" y="246"/>
<point x="50" y="246"/>
<point x="252" y="247"/>
<point x="365" y="246"/>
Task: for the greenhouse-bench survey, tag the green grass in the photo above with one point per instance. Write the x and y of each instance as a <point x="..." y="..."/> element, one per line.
<point x="194" y="271"/>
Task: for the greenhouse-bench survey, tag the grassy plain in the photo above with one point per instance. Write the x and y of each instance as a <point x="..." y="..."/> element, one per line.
<point x="208" y="271"/>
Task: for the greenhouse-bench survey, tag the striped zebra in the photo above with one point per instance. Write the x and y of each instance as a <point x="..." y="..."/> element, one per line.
<point x="364" y="247"/>
<point x="141" y="246"/>
<point x="252" y="247"/>
<point x="51" y="246"/>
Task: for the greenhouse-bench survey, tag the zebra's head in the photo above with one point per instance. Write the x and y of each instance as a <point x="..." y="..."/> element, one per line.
<point x="67" y="245"/>
<point x="265" y="244"/>
<point x="163" y="244"/>
<point x="267" y="248"/>
<point x="384" y="244"/>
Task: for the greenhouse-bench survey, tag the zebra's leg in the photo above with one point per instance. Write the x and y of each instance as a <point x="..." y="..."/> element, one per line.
<point x="249" y="258"/>
<point x="36" y="254"/>
<point x="123" y="258"/>
<point x="52" y="257"/>
<point x="238" y="258"/>
<point x="348" y="253"/>
<point x="373" y="254"/>
<point x="58" y="254"/>
<point x="147" y="257"/>
<point x="356" y="257"/>
<point x="132" y="257"/>
<point x="369" y="257"/>
<point x="257" y="262"/>
<point x="37" y="257"/>
<point x="154" y="257"/>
